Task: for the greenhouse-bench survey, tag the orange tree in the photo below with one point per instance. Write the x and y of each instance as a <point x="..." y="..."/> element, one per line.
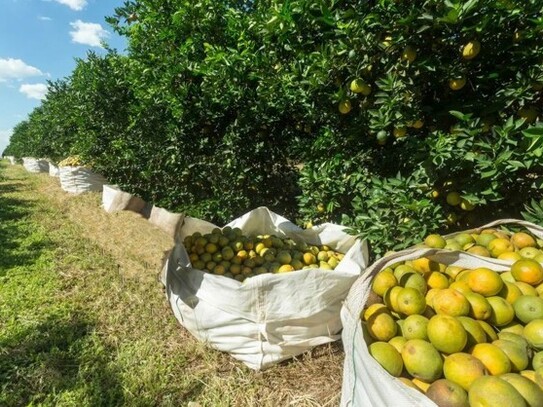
<point x="440" y="105"/>
<point x="392" y="117"/>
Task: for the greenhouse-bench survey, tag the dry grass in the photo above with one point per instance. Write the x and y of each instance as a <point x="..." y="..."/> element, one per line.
<point x="107" y="266"/>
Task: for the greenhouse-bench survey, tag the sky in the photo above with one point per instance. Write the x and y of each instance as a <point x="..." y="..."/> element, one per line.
<point x="39" y="41"/>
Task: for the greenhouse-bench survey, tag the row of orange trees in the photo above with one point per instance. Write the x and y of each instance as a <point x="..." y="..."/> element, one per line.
<point x="367" y="113"/>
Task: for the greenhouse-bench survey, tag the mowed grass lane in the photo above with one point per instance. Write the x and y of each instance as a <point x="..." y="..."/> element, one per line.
<point x="84" y="320"/>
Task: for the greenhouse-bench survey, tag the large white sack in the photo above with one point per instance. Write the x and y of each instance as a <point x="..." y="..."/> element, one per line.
<point x="269" y="317"/>
<point x="77" y="180"/>
<point x="365" y="382"/>
<point x="35" y="165"/>
<point x="113" y="199"/>
<point x="169" y="222"/>
<point x="53" y="170"/>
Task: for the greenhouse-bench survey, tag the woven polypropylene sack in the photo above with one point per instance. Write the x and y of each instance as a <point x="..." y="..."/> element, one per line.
<point x="35" y="165"/>
<point x="365" y="382"/>
<point x="113" y="199"/>
<point x="53" y="170"/>
<point x="268" y="317"/>
<point x="77" y="180"/>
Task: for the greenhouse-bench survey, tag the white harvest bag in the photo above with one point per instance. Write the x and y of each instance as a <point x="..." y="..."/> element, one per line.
<point x="11" y="159"/>
<point x="77" y="180"/>
<point x="53" y="170"/>
<point x="35" y="165"/>
<point x="269" y="317"/>
<point x="113" y="199"/>
<point x="365" y="382"/>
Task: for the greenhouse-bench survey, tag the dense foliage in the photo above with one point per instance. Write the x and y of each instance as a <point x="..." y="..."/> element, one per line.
<point x="367" y="113"/>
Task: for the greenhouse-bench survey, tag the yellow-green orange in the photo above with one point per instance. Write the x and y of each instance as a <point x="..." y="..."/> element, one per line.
<point x="414" y="327"/>
<point x="489" y="331"/>
<point x="485" y="281"/>
<point x="411" y="301"/>
<point x="533" y="332"/>
<point x="501" y="313"/>
<point x="450" y="302"/>
<point x="490" y="391"/>
<point x="414" y="280"/>
<point x="422" y="360"/>
<point x="383" y="281"/>
<point x="510" y="292"/>
<point x="445" y="392"/>
<point x="531" y="392"/>
<point x="522" y="239"/>
<point x="391" y="297"/>
<point x="457" y="84"/>
<point x="471" y="49"/>
<point x="387" y="356"/>
<point x="517" y="354"/>
<point x="373" y="308"/>
<point x="454" y="198"/>
<point x="463" y="368"/>
<point x="476" y="333"/>
<point x="494" y="359"/>
<point x="528" y="271"/>
<point x="527" y="308"/>
<point x="446" y="333"/>
<point x="479" y="306"/>
<point x="499" y="246"/>
<point x="435" y="241"/>
<point x="381" y="326"/>
<point x="436" y="279"/>
<point x="398" y="342"/>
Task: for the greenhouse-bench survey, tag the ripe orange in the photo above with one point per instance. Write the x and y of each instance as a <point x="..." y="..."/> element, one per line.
<point x="345" y="106"/>
<point x="533" y="332"/>
<point x="457" y="84"/>
<point x="522" y="239"/>
<point x="528" y="308"/>
<point x="409" y="54"/>
<point x="502" y="313"/>
<point x="381" y="326"/>
<point x="422" y="360"/>
<point x="435" y="279"/>
<point x="493" y="391"/>
<point x="382" y="281"/>
<point x="471" y="49"/>
<point x="528" y="271"/>
<point x="463" y="369"/>
<point x="446" y="333"/>
<point x="411" y="301"/>
<point x="387" y="356"/>
<point x="435" y="241"/>
<point x="484" y="281"/>
<point x="450" y="302"/>
<point x="453" y="198"/>
<point x="499" y="246"/>
<point x="494" y="359"/>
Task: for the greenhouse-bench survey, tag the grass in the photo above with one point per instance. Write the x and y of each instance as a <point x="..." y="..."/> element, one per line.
<point x="84" y="320"/>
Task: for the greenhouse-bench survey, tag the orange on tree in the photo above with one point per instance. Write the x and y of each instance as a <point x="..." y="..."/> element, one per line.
<point x="359" y="86"/>
<point x="409" y="54"/>
<point x="345" y="106"/>
<point x="471" y="49"/>
<point x="457" y="83"/>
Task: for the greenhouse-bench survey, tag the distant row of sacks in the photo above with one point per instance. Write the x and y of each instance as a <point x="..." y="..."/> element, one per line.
<point x="74" y="180"/>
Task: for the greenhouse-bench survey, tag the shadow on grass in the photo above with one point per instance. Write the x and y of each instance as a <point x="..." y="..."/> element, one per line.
<point x="21" y="245"/>
<point x="58" y="361"/>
